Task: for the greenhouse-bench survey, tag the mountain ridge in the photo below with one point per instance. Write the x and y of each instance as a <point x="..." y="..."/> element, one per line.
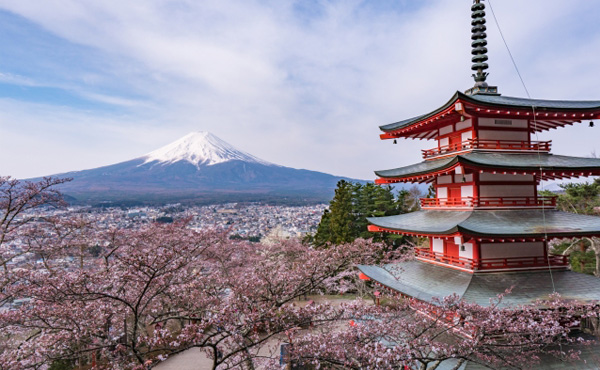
<point x="198" y="168"/>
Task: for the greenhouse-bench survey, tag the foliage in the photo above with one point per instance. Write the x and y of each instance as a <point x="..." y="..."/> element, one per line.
<point x="584" y="253"/>
<point x="158" y="290"/>
<point x="342" y="220"/>
<point x="61" y="365"/>
<point x="16" y="199"/>
<point x="164" y="288"/>
<point x="582" y="198"/>
<point x="353" y="203"/>
<point x="583" y="262"/>
<point x="414" y="335"/>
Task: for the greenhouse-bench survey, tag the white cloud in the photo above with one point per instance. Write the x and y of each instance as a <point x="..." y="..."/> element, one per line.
<point x="306" y="89"/>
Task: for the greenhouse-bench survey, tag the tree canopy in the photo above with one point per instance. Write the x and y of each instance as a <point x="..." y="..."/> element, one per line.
<point x="353" y="203"/>
<point x="582" y="198"/>
<point x="110" y="298"/>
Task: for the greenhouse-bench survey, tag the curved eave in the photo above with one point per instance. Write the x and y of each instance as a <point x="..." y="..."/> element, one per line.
<point x="549" y="113"/>
<point x="424" y="281"/>
<point x="446" y="109"/>
<point x="553" y="166"/>
<point x="421" y="223"/>
<point x="425" y="169"/>
<point x="509" y="102"/>
<point x="503" y="225"/>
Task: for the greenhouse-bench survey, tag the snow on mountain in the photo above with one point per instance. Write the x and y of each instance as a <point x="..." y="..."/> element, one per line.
<point x="200" y="148"/>
<point x="198" y="168"/>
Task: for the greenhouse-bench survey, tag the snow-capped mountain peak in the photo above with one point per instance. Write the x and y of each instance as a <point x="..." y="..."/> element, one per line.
<point x="200" y="148"/>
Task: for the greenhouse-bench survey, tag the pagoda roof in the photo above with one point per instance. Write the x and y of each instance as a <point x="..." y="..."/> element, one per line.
<point x="426" y="281"/>
<point x="491" y="224"/>
<point x="553" y="166"/>
<point x="588" y="358"/>
<point x="549" y="113"/>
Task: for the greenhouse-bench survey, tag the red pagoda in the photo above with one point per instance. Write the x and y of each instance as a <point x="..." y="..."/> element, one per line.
<point x="487" y="226"/>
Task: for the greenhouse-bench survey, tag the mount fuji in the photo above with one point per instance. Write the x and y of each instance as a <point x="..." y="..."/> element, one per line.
<point x="198" y="168"/>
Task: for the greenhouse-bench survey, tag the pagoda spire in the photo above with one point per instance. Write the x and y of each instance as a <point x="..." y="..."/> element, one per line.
<point x="479" y="42"/>
<point x="479" y="50"/>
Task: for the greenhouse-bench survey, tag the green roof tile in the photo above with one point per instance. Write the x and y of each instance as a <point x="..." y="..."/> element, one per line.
<point x="508" y="161"/>
<point x="425" y="281"/>
<point x="498" y="223"/>
<point x="499" y="101"/>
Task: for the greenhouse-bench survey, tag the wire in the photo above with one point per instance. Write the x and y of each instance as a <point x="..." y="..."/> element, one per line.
<point x="535" y="128"/>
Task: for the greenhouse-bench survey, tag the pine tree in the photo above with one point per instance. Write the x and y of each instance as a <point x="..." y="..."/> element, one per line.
<point x="352" y="204"/>
<point x="342" y="220"/>
<point x="323" y="234"/>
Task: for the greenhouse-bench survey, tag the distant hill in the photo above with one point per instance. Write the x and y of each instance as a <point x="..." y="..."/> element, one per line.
<point x="198" y="168"/>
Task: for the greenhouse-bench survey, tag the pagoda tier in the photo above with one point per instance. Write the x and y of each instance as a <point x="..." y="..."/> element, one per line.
<point x="481" y="241"/>
<point x="535" y="115"/>
<point x="548" y="166"/>
<point x="495" y="225"/>
<point x="425" y="281"/>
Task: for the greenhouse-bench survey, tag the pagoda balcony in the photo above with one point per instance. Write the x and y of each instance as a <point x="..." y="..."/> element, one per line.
<point x="504" y="145"/>
<point x="489" y="202"/>
<point x="492" y="264"/>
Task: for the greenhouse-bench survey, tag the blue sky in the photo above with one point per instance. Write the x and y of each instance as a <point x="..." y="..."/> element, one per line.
<point x="303" y="84"/>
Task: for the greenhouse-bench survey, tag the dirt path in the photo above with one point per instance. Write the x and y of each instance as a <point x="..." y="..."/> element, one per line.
<point x="192" y="359"/>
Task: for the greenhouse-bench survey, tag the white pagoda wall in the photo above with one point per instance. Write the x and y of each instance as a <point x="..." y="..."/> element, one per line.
<point x="491" y="122"/>
<point x="454" y="179"/>
<point x="465" y="190"/>
<point x="466" y="136"/>
<point x="506" y="133"/>
<point x="507" y="250"/>
<point x="507" y="190"/>
<point x="468" y="252"/>
<point x="459" y="127"/>
<point x="437" y="245"/>
<point x="503" y="135"/>
<point x="446" y="130"/>
<point x="463" y="125"/>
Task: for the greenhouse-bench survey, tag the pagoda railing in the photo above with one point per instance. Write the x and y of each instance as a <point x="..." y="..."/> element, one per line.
<point x="469" y="144"/>
<point x="493" y="263"/>
<point x="474" y="202"/>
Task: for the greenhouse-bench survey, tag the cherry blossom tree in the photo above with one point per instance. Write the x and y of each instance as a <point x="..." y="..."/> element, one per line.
<point x="158" y="290"/>
<point x="163" y="289"/>
<point x="16" y="199"/>
<point x="410" y="334"/>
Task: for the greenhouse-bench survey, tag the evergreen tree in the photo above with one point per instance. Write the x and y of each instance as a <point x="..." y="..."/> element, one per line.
<point x="582" y="198"/>
<point x="323" y="234"/>
<point x="343" y="218"/>
<point x="352" y="204"/>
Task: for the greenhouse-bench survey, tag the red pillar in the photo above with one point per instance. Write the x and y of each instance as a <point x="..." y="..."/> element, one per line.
<point x="476" y="187"/>
<point x="476" y="253"/>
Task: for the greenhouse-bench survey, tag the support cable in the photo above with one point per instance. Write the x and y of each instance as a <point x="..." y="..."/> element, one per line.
<point x="535" y="128"/>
